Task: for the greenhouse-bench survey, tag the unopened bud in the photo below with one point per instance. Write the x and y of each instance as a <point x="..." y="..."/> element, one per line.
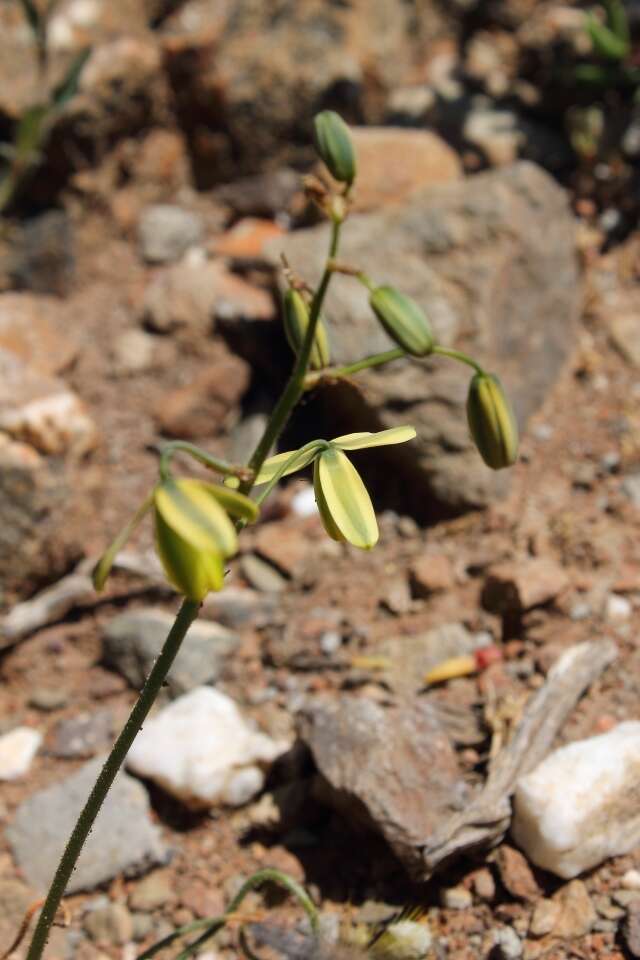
<point x="296" y="322"/>
<point x="492" y="421"/>
<point x="403" y="320"/>
<point x="334" y="146"/>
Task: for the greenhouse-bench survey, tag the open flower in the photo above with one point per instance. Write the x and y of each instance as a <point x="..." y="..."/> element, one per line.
<point x="343" y="501"/>
<point x="194" y="533"/>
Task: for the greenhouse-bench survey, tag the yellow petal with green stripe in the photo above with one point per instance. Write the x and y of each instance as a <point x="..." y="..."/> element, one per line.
<point x="271" y="466"/>
<point x="361" y="441"/>
<point x="190" y="508"/>
<point x="323" y="509"/>
<point x="193" y="572"/>
<point x="346" y="500"/>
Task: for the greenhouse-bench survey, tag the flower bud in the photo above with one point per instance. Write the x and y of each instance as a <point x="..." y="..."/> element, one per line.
<point x="194" y="534"/>
<point x="334" y="146"/>
<point x="403" y="320"/>
<point x="492" y="421"/>
<point x="296" y="321"/>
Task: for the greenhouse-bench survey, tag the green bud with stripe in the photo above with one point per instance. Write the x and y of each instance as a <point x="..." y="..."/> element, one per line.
<point x="492" y="422"/>
<point x="403" y="320"/>
<point x="296" y="322"/>
<point x="334" y="145"/>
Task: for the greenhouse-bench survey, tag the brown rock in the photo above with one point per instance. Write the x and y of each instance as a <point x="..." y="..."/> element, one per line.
<point x="546" y="914"/>
<point x="431" y="574"/>
<point x="246" y="239"/>
<point x="521" y="585"/>
<point x="202" y="899"/>
<point x="394" y="162"/>
<point x="208" y="405"/>
<point x="624" y="330"/>
<point x="42" y="411"/>
<point x="33" y="328"/>
<point x="389" y="769"/>
<point x="284" y="545"/>
<point x="193" y="293"/>
<point x="516" y="874"/>
<point x="577" y="913"/>
<point x="631" y="928"/>
<point x="451" y="247"/>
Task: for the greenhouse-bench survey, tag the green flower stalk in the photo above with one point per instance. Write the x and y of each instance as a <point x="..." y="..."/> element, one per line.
<point x="492" y="422"/>
<point x="334" y="146"/>
<point x="296" y="321"/>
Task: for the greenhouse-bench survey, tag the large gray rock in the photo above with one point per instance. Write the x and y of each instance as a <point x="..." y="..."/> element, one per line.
<point x="133" y="641"/>
<point x="391" y="769"/>
<point x="492" y="260"/>
<point x="123" y="839"/>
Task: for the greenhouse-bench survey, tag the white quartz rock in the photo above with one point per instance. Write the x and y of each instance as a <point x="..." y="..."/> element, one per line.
<point x="17" y="750"/>
<point x="580" y="805"/>
<point x="201" y="750"/>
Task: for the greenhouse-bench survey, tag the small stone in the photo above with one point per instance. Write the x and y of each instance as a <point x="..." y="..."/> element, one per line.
<point x="238" y="607"/>
<point x="577" y="913"/>
<point x="623" y="330"/>
<point x="153" y="891"/>
<point x="544" y="918"/>
<point x="165" y="232"/>
<point x="246" y="238"/>
<point x="33" y="329"/>
<point x="110" y="925"/>
<point x="262" y="575"/>
<point x="631" y="929"/>
<point x="49" y="699"/>
<point x="42" y="411"/>
<point x="576" y="808"/>
<point x="133" y="352"/>
<point x="83" y="735"/>
<point x="516" y="874"/>
<point x="397" y="596"/>
<point x="508" y="943"/>
<point x="201" y="750"/>
<point x="202" y="899"/>
<point x="431" y="574"/>
<point x="456" y="898"/>
<point x="17" y="750"/>
<point x="484" y="885"/>
<point x="631" y="487"/>
<point x="496" y="134"/>
<point x="522" y="585"/>
<point x="631" y="880"/>
<point x="132" y="642"/>
<point x="303" y="503"/>
<point x="123" y="839"/>
<point x="143" y="926"/>
<point x="617" y="609"/>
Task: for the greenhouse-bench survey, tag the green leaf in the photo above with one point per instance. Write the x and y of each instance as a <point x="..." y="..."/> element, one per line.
<point x="346" y="501"/>
<point x="605" y="41"/>
<point x="361" y="441"/>
<point x="617" y="20"/>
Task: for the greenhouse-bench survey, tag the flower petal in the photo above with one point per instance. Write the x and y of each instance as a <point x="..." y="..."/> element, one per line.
<point x="191" y="571"/>
<point x="346" y="499"/>
<point x="190" y="508"/>
<point x="271" y="466"/>
<point x="360" y="441"/>
<point x="323" y="510"/>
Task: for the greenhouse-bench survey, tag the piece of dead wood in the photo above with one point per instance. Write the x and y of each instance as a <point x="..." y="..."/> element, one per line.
<point x="486" y="818"/>
<point x="74" y="590"/>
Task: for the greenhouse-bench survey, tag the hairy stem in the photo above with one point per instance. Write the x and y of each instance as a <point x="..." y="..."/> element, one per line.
<point x="186" y="615"/>
<point x="295" y="385"/>
<point x="335" y="373"/>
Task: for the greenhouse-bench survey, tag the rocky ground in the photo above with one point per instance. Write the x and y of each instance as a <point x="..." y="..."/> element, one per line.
<point x="139" y="290"/>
